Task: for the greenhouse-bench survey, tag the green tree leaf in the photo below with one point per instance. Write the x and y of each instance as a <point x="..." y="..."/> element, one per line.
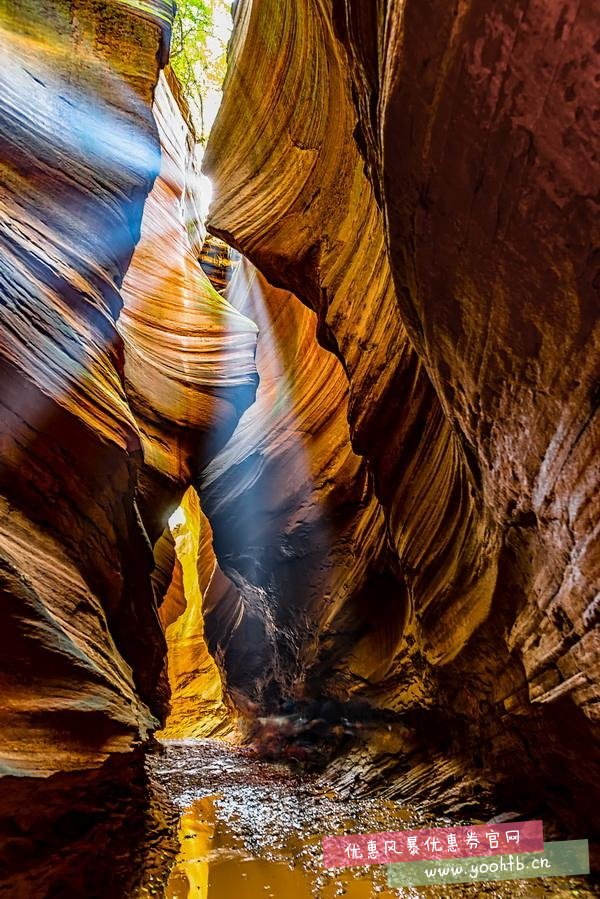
<point x="198" y="55"/>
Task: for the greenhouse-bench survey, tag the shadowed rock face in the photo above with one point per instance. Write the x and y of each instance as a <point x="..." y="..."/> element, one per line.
<point x="81" y="644"/>
<point x="479" y="136"/>
<point x="425" y="185"/>
<point x="297" y="528"/>
<point x="407" y="516"/>
<point x="79" y="157"/>
<point x="82" y="670"/>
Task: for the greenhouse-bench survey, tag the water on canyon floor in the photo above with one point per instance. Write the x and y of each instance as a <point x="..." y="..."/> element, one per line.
<point x="251" y="829"/>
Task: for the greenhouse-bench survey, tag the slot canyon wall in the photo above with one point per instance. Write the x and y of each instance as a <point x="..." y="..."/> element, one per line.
<point x="403" y="511"/>
<point x="423" y="177"/>
<point x="298" y="531"/>
<point x="81" y="643"/>
<point x="113" y="395"/>
<point x="199" y="705"/>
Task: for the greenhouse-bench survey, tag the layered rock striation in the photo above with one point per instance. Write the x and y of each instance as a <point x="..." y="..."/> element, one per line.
<point x="198" y="705"/>
<point x="189" y="355"/>
<point x="81" y="151"/>
<point x="406" y="510"/>
<point x="82" y="647"/>
<point x="189" y="373"/>
<point x="85" y="449"/>
<point x="479" y="137"/>
<point x="297" y="529"/>
<point x="423" y="178"/>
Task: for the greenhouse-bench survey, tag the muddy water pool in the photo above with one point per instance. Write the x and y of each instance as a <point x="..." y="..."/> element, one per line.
<point x="249" y="829"/>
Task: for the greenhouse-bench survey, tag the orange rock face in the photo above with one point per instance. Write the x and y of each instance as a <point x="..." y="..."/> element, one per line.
<point x="189" y="355"/>
<point x="404" y="510"/>
<point x="326" y="241"/>
<point x="189" y="372"/>
<point x="297" y="528"/>
<point x="198" y="703"/>
<point x="86" y="483"/>
<point x="425" y="187"/>
<point x="82" y="648"/>
<point x="70" y="444"/>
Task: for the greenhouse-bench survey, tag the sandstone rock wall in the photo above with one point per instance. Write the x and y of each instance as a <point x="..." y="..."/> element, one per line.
<point x="296" y="526"/>
<point x="320" y="233"/>
<point x="198" y="705"/>
<point x="82" y="447"/>
<point x="189" y="355"/>
<point x="421" y="176"/>
<point x="189" y="373"/>
<point x="480" y="134"/>
<point x="81" y="643"/>
<point x="80" y="153"/>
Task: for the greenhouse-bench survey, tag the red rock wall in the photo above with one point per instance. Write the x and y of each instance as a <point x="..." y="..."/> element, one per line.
<point x="425" y="186"/>
<point x="487" y="172"/>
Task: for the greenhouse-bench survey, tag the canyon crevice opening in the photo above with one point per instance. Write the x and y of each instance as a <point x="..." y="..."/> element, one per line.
<point x="299" y="438"/>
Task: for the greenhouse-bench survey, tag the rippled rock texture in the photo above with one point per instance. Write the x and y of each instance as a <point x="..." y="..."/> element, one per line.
<point x="297" y="529"/>
<point x="189" y="355"/>
<point x="407" y="515"/>
<point x="82" y="458"/>
<point x="81" y="151"/>
<point x="81" y="643"/>
<point x="422" y="176"/>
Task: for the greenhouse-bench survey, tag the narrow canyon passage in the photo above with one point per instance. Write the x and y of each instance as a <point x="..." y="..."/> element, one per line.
<point x="299" y="445"/>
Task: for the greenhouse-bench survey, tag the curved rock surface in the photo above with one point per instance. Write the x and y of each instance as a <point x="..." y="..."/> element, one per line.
<point x="325" y="240"/>
<point x="189" y="355"/>
<point x="198" y="705"/>
<point x="407" y="514"/>
<point x="297" y="528"/>
<point x="450" y="302"/>
<point x="496" y="135"/>
<point x="82" y="646"/>
<point x="81" y="153"/>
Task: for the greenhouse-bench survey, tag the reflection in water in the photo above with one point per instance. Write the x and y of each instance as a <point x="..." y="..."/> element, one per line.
<point x="250" y="829"/>
<point x="210" y="867"/>
<point x="189" y="876"/>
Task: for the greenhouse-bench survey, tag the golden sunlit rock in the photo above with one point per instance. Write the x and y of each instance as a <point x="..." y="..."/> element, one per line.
<point x="332" y="253"/>
<point x="197" y="704"/>
<point x="189" y="356"/>
<point x="82" y="677"/>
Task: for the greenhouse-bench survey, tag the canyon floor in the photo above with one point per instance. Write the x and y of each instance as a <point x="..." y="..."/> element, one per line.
<point x="249" y="828"/>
